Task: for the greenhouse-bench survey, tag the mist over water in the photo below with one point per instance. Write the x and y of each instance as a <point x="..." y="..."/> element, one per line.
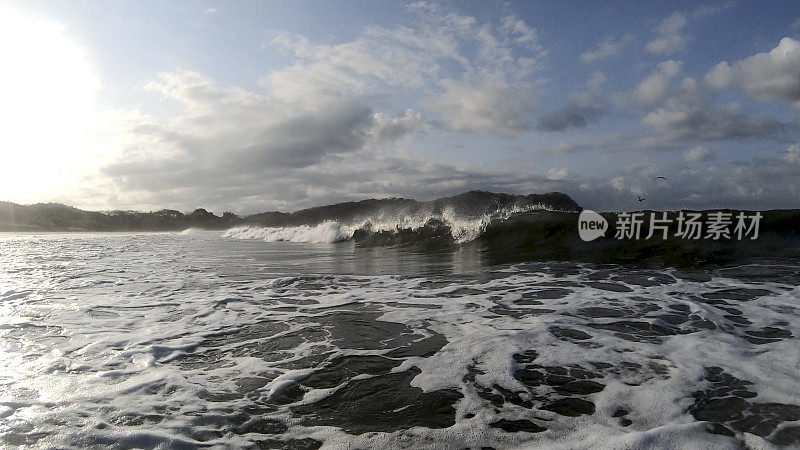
<point x="185" y="340"/>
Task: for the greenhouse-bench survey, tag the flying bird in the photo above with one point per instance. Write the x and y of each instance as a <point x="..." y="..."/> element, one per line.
<point x="663" y="178"/>
<point x="640" y="198"/>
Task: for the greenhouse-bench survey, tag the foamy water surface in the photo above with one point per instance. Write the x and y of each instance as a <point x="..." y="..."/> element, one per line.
<point x="205" y="339"/>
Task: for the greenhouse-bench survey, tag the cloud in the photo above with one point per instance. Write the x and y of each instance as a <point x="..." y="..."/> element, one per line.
<point x="736" y="185"/>
<point x="389" y="128"/>
<point x="606" y="48"/>
<point x="484" y="107"/>
<point x="350" y="120"/>
<point x="697" y="154"/>
<point x="611" y="142"/>
<point x="232" y="149"/>
<point x="561" y="147"/>
<point x="686" y="111"/>
<point x="582" y="108"/>
<point x="654" y="87"/>
<point x="518" y="31"/>
<point x="710" y="10"/>
<point x="252" y="130"/>
<point x="768" y="77"/>
<point x="230" y="144"/>
<point x="563" y="118"/>
<point x="793" y="154"/>
<point x="322" y="128"/>
<point x="557" y="173"/>
<point x="669" y="36"/>
<point x="701" y="122"/>
<point x="477" y="77"/>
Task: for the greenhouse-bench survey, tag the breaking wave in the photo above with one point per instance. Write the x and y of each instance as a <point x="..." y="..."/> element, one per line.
<point x="537" y="232"/>
<point x="326" y="232"/>
<point x="446" y="225"/>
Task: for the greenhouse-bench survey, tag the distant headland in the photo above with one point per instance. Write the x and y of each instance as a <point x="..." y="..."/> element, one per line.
<point x="59" y="217"/>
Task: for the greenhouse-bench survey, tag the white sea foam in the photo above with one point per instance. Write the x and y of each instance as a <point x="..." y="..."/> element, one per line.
<point x="146" y="341"/>
<point x="326" y="232"/>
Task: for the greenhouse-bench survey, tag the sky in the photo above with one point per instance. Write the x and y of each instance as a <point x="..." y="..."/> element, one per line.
<point x="251" y="106"/>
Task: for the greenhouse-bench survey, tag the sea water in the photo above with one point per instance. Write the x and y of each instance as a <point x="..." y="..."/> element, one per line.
<point x="244" y="339"/>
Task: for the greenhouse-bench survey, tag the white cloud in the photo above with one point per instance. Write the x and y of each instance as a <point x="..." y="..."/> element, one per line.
<point x="477" y="77"/>
<point x="484" y="106"/>
<point x="769" y="77"/>
<point x="697" y="154"/>
<point x="685" y="111"/>
<point x="654" y="87"/>
<point x="557" y="173"/>
<point x="518" y="31"/>
<point x="606" y="48"/>
<point x="720" y="76"/>
<point x="710" y="10"/>
<point x="227" y="144"/>
<point x="670" y="37"/>
<point x="388" y="128"/>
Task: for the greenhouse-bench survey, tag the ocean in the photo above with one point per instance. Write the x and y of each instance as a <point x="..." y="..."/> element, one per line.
<point x="309" y="337"/>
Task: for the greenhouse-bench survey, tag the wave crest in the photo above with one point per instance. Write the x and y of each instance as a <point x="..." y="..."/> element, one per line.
<point x="460" y="229"/>
<point x="326" y="232"/>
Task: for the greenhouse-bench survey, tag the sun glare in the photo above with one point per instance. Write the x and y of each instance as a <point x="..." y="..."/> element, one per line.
<point x="47" y="90"/>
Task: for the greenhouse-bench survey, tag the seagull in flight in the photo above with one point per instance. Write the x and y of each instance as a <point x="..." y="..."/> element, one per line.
<point x="663" y="178"/>
<point x="640" y="198"/>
